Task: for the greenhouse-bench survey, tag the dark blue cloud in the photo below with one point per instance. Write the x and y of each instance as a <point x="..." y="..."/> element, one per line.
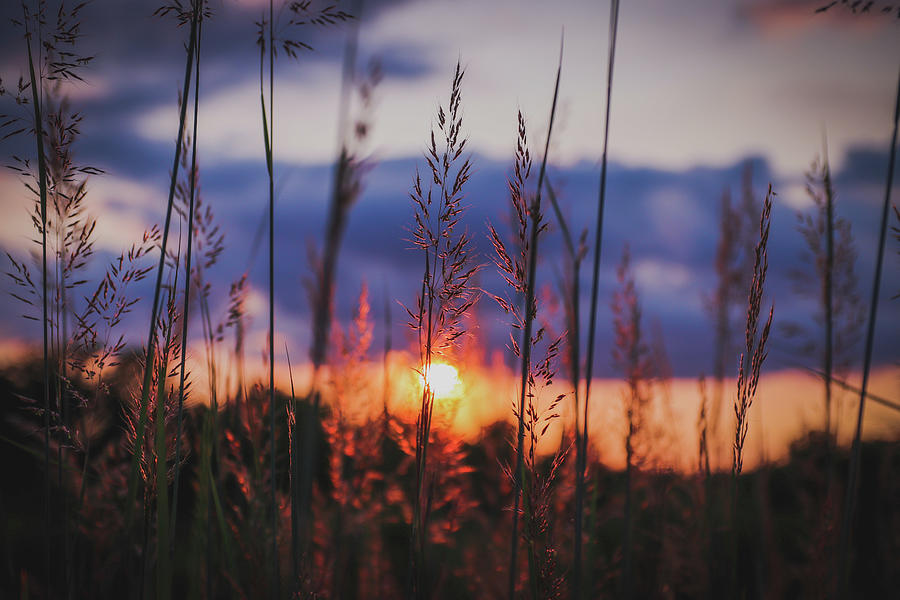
<point x="863" y="166"/>
<point x="377" y="247"/>
<point x="667" y="217"/>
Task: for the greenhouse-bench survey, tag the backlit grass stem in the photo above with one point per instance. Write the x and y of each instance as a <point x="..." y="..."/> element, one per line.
<point x="749" y="370"/>
<point x="187" y="286"/>
<point x="534" y="214"/>
<point x="445" y="296"/>
<point x="148" y="366"/>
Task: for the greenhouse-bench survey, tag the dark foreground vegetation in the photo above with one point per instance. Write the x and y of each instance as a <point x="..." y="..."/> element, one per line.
<point x="682" y="533"/>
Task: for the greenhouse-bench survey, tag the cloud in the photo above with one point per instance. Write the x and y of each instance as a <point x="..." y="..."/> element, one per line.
<point x="693" y="84"/>
<point x="659" y="277"/>
<point x="123" y="209"/>
<point x="785" y="17"/>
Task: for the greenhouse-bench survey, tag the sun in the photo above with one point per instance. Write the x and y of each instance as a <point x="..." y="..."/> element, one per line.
<point x="443" y="379"/>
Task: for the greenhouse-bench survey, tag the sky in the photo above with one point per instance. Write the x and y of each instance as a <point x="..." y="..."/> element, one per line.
<point x="702" y="89"/>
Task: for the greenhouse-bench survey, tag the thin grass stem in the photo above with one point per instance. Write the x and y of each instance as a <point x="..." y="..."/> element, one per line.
<point x="341" y="201"/>
<point x="148" y="367"/>
<point x="37" y="84"/>
<point x="843" y="566"/>
<point x="187" y="290"/>
<point x="268" y="135"/>
<point x="534" y="213"/>
<point x="595" y="290"/>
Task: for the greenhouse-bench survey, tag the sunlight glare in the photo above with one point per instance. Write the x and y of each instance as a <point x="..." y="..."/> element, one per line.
<point x="443" y="379"/>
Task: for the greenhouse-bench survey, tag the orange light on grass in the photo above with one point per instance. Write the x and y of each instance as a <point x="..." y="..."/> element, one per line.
<point x="443" y="379"/>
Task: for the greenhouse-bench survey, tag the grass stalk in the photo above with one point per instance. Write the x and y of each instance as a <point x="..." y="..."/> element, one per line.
<point x="573" y="319"/>
<point x="163" y="560"/>
<point x="267" y="50"/>
<point x="187" y="289"/>
<point x="843" y="566"/>
<point x="209" y="446"/>
<point x="723" y="297"/>
<point x="576" y="255"/>
<point x="631" y="355"/>
<point x="828" y="301"/>
<point x="133" y="475"/>
<point x="595" y="290"/>
<point x="749" y="370"/>
<point x="37" y="84"/>
<point x="423" y="427"/>
<point x="386" y="351"/>
<point x="881" y="401"/>
<point x="342" y="198"/>
<point x="267" y="41"/>
<point x="534" y="214"/>
<point x="421" y="320"/>
<point x="445" y="296"/>
<point x="703" y="470"/>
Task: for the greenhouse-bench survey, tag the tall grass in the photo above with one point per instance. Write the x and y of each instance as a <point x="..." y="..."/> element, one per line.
<point x="37" y="88"/>
<point x="631" y="356"/>
<point x="828" y="292"/>
<point x="188" y="266"/>
<point x="703" y="431"/>
<point x="385" y="354"/>
<point x="829" y="277"/>
<point x="191" y="15"/>
<point x="266" y="41"/>
<point x="158" y="447"/>
<point x="720" y="303"/>
<point x="72" y="247"/>
<point x="853" y="473"/>
<point x="581" y="450"/>
<point x="544" y="576"/>
<point x="353" y="459"/>
<point x="163" y="559"/>
<point x="738" y="225"/>
<point x="750" y="368"/>
<point x="833" y="284"/>
<point x="345" y="191"/>
<point x="530" y="310"/>
<point x="534" y="487"/>
<point x="51" y="58"/>
<point x="300" y="14"/>
<point x="571" y="292"/>
<point x="754" y="353"/>
<point x="446" y="294"/>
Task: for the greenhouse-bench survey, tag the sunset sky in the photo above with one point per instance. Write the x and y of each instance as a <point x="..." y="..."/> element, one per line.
<point x="701" y="89"/>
